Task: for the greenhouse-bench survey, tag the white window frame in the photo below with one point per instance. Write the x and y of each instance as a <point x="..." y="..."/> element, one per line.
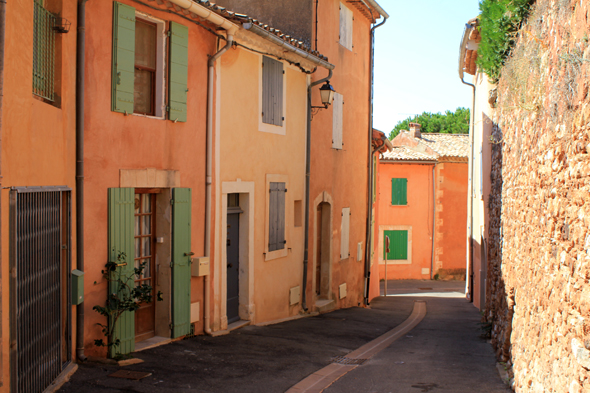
<point x="346" y="24"/>
<point x="265" y="127"/>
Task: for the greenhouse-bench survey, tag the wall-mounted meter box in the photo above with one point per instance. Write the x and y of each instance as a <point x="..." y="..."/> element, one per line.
<point x="200" y="266"/>
<point x="77" y="287"/>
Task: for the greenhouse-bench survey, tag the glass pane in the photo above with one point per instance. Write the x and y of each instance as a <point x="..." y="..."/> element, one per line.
<point x="137" y="226"/>
<point x="147" y="272"/>
<point x="146" y="227"/>
<point x="137" y="203"/>
<point x="145" y="44"/>
<point x="143" y="92"/>
<point x="137" y="247"/>
<point x="146" y="206"/>
<point x="147" y="247"/>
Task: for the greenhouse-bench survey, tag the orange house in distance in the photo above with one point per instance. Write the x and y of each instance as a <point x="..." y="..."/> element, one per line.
<point x="422" y="188"/>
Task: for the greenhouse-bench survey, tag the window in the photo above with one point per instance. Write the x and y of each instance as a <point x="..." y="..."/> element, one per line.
<point x="346" y="19"/>
<point x="272" y="91"/>
<point x="43" y="52"/>
<point x="399" y="191"/>
<point x="276" y="213"/>
<point x="138" y="65"/>
<point x="398" y="245"/>
<point x="345" y="234"/>
<point x="337" y="108"/>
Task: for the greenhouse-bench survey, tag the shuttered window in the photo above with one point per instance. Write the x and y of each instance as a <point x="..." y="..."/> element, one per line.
<point x="276" y="213"/>
<point x="138" y="62"/>
<point x="346" y="19"/>
<point x="398" y="245"/>
<point x="399" y="191"/>
<point x="272" y="91"/>
<point x="43" y="51"/>
<point x="345" y="234"/>
<point x="337" y="108"/>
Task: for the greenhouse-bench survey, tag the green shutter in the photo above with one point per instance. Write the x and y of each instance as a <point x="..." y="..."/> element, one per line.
<point x="398" y="245"/>
<point x="181" y="259"/>
<point x="123" y="75"/>
<point x="121" y="203"/>
<point x="178" y="66"/>
<point x="399" y="191"/>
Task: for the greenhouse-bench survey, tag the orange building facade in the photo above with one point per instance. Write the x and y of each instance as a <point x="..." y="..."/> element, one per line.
<point x="422" y="186"/>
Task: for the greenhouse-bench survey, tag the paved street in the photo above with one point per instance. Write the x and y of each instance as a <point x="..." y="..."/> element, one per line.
<point x="443" y="353"/>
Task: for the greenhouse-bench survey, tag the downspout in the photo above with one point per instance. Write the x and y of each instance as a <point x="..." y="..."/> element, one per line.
<point x="209" y="178"/>
<point x="2" y="41"/>
<point x="307" y="174"/>
<point x="370" y="164"/>
<point x="433" y="219"/>
<point x="469" y="285"/>
<point x="80" y="54"/>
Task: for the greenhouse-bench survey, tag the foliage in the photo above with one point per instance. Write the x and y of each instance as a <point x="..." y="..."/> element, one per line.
<point x="448" y="123"/>
<point x="129" y="297"/>
<point x="498" y="24"/>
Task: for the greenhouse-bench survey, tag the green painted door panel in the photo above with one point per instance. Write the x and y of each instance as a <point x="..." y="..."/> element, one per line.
<point x="123" y="72"/>
<point x="178" y="88"/>
<point x="398" y="245"/>
<point x="181" y="261"/>
<point x="121" y="206"/>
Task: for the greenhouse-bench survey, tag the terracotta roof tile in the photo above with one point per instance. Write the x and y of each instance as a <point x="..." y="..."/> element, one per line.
<point x="404" y="153"/>
<point x="447" y="145"/>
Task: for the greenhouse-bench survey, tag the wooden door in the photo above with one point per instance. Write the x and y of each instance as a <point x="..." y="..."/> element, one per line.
<point x="233" y="266"/>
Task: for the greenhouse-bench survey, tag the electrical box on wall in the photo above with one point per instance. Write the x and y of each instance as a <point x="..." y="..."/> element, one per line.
<point x="200" y="267"/>
<point x="77" y="287"/>
<point x="294" y="295"/>
<point x="342" y="291"/>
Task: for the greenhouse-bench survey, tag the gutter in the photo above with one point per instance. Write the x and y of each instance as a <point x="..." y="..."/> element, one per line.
<point x="80" y="68"/>
<point x="378" y="8"/>
<point x="469" y="284"/>
<point x="207" y="14"/>
<point x="433" y="219"/>
<point x="2" y="42"/>
<point x="369" y="234"/>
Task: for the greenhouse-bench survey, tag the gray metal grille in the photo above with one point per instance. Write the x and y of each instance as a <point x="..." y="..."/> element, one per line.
<point x="345" y="360"/>
<point x="43" y="51"/>
<point x="40" y="335"/>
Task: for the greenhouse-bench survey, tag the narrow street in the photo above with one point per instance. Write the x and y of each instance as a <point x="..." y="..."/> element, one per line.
<point x="444" y="352"/>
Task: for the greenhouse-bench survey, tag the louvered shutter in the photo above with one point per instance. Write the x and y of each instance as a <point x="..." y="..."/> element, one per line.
<point x="345" y="234"/>
<point x="276" y="212"/>
<point x="178" y="87"/>
<point x="121" y="206"/>
<point x="337" y="122"/>
<point x="123" y="73"/>
<point x="346" y="18"/>
<point x="398" y="245"/>
<point x="181" y="259"/>
<point x="399" y="191"/>
<point x="272" y="91"/>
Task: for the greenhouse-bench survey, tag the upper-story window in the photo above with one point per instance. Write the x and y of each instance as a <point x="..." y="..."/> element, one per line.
<point x="399" y="191"/>
<point x="272" y="91"/>
<point x="346" y="19"/>
<point x="44" y="37"/>
<point x="139" y="55"/>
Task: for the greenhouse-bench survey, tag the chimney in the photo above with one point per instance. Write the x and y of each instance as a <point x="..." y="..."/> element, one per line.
<point x="415" y="130"/>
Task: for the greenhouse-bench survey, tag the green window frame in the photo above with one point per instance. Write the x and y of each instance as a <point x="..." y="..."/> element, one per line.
<point x="44" y="37"/>
<point x="399" y="191"/>
<point x="398" y="245"/>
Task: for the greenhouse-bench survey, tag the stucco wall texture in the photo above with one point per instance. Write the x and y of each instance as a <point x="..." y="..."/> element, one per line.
<point x="539" y="240"/>
<point x="38" y="138"/>
<point x="114" y="141"/>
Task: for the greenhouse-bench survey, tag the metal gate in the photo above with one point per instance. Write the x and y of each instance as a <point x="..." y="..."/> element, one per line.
<point x="40" y="256"/>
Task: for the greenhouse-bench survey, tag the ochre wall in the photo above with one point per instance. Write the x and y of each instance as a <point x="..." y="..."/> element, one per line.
<point x="417" y="214"/>
<point x="38" y="138"/>
<point x="114" y="141"/>
<point x="342" y="174"/>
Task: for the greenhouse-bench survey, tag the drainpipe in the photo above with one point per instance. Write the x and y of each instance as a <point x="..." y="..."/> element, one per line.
<point x="2" y="40"/>
<point x="469" y="284"/>
<point x="433" y="220"/>
<point x="307" y="174"/>
<point x="80" y="54"/>
<point x="370" y="163"/>
<point x="209" y="178"/>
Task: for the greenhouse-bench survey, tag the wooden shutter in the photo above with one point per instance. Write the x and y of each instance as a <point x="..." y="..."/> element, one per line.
<point x="276" y="213"/>
<point x="399" y="191"/>
<point x="337" y="112"/>
<point x="121" y="205"/>
<point x="178" y="81"/>
<point x="181" y="260"/>
<point x="123" y="73"/>
<point x="346" y="19"/>
<point x="398" y="245"/>
<point x="272" y="91"/>
<point x="345" y="234"/>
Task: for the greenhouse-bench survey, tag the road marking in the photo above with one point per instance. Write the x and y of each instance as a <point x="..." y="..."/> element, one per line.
<point x="321" y="379"/>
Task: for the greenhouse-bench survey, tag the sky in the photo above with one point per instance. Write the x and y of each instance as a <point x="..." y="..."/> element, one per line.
<point x="416" y="59"/>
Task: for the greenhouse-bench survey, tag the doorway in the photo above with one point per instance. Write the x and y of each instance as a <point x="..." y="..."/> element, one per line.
<point x="233" y="257"/>
<point x="323" y="241"/>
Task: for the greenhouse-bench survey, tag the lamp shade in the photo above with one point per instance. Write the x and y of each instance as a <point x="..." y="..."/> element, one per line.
<point x="327" y="93"/>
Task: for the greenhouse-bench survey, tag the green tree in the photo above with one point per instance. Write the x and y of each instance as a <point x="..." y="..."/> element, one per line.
<point x="448" y="123"/>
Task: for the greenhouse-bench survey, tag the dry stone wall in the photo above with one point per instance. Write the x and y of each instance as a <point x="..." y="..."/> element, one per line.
<point x="538" y="294"/>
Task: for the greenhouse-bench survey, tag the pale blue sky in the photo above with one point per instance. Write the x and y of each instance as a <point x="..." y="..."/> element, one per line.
<point x="416" y="59"/>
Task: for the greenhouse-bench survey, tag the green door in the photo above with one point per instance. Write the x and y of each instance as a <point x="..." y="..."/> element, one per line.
<point x="181" y="260"/>
<point x="398" y="245"/>
<point x="121" y="203"/>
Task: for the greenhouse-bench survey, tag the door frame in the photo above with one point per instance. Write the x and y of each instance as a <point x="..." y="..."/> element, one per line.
<point x="324" y="197"/>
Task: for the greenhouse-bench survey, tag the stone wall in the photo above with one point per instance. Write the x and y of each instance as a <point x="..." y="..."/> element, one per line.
<point x="538" y="294"/>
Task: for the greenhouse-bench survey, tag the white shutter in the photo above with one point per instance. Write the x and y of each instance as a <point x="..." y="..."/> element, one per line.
<point x="337" y="108"/>
<point x="345" y="234"/>
<point x="345" y="27"/>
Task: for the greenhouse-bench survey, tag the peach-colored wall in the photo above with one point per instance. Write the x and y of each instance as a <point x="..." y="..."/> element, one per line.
<point x="374" y="288"/>
<point x="342" y="174"/>
<point x="114" y="141"/>
<point x="38" y="138"/>
<point x="417" y="214"/>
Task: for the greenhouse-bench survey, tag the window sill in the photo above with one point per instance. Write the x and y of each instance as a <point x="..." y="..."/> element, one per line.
<point x="397" y="262"/>
<point x="270" y="255"/>
<point x="149" y="116"/>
